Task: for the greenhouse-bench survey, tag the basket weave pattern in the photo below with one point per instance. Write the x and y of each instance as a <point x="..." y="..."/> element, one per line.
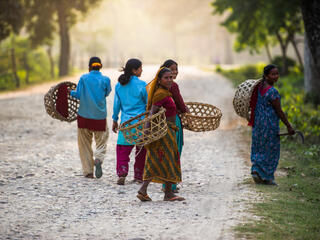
<point x="202" y="117"/>
<point x="50" y="103"/>
<point x="142" y="129"/>
<point x="241" y="100"/>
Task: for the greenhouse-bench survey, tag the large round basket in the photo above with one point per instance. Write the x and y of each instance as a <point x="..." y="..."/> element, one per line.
<point x="241" y="100"/>
<point x="202" y="117"/>
<point x="50" y="102"/>
<point x="144" y="129"/>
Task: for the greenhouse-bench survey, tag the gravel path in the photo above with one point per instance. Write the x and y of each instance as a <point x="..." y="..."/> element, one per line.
<point x="44" y="196"/>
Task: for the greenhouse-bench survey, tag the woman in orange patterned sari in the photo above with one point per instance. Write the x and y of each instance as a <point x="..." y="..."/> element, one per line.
<point x="162" y="162"/>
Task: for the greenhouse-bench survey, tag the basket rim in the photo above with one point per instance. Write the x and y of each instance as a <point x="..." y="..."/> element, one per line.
<point x="51" y="104"/>
<point x="122" y="128"/>
<point x="219" y="114"/>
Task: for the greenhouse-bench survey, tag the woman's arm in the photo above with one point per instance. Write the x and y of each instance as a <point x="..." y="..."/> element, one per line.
<point x="277" y="107"/>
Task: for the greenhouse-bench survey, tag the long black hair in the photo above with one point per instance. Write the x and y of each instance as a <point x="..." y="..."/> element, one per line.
<point x="168" y="63"/>
<point x="267" y="69"/>
<point x="131" y="64"/>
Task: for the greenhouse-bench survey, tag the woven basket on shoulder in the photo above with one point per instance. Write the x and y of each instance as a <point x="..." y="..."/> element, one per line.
<point x="50" y="102"/>
<point x="142" y="129"/>
<point x="241" y="100"/>
<point x="202" y="117"/>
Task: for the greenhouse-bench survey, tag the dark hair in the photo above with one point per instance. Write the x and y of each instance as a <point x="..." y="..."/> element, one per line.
<point x="95" y="60"/>
<point x="267" y="69"/>
<point x="163" y="71"/>
<point x="168" y="63"/>
<point x="131" y="64"/>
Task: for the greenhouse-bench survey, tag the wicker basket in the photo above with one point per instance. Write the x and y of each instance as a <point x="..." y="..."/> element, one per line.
<point x="241" y="100"/>
<point x="202" y="117"/>
<point x="50" y="103"/>
<point x="142" y="130"/>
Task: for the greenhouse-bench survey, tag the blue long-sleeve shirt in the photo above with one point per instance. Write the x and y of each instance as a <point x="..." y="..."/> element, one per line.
<point x="131" y="99"/>
<point x="92" y="90"/>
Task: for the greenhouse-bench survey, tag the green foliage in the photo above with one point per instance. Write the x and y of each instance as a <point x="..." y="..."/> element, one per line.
<point x="11" y="17"/>
<point x="37" y="61"/>
<point x="277" y="60"/>
<point x="302" y="115"/>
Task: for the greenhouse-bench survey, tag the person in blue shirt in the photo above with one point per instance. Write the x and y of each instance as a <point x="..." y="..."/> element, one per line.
<point x="92" y="90"/>
<point x="131" y="99"/>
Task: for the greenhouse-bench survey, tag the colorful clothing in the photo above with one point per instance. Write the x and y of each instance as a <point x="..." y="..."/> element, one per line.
<point x="123" y="153"/>
<point x="131" y="99"/>
<point x="175" y="91"/>
<point x="162" y="161"/>
<point x="92" y="90"/>
<point x="265" y="149"/>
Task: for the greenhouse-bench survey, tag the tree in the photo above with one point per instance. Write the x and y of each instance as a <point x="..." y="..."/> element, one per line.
<point x="258" y="23"/>
<point x="311" y="16"/>
<point x="48" y="16"/>
<point x="11" y="17"/>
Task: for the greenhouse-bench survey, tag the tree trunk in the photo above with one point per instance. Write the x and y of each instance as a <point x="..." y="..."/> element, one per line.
<point x="64" y="39"/>
<point x="294" y="44"/>
<point x="283" y="47"/>
<point x="311" y="73"/>
<point x="311" y="17"/>
<point x="49" y="52"/>
<point x="26" y="67"/>
<point x="14" y="68"/>
<point x="268" y="52"/>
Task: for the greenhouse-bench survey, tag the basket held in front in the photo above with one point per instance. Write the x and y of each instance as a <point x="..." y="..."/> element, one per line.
<point x="202" y="117"/>
<point x="242" y="97"/>
<point x="59" y="104"/>
<point x="144" y="129"/>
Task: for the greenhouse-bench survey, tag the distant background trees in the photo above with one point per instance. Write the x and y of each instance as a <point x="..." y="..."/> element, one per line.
<point x="260" y="24"/>
<point x="27" y="32"/>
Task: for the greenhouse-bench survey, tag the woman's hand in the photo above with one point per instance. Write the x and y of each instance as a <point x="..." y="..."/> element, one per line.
<point x="115" y="126"/>
<point x="291" y="131"/>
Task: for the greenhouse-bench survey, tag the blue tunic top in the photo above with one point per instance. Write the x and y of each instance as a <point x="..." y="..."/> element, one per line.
<point x="265" y="149"/>
<point x="131" y="99"/>
<point x="92" y="90"/>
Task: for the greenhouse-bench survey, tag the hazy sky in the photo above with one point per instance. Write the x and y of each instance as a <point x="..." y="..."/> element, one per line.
<point x="154" y="30"/>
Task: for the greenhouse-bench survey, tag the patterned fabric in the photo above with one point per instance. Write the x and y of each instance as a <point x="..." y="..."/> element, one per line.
<point x="162" y="161"/>
<point x="265" y="149"/>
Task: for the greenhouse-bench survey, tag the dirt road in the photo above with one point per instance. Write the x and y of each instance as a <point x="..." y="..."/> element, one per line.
<point x="44" y="196"/>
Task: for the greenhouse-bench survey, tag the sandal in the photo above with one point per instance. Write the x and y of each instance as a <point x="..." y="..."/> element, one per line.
<point x="175" y="198"/>
<point x="121" y="180"/>
<point x="143" y="198"/>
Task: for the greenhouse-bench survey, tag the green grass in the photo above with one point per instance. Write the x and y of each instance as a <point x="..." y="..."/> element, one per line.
<point x="291" y="210"/>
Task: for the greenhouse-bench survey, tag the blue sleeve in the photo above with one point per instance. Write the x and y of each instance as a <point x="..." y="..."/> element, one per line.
<point x="116" y="107"/>
<point x="109" y="89"/>
<point x="76" y="93"/>
<point x="274" y="94"/>
<point x="145" y="95"/>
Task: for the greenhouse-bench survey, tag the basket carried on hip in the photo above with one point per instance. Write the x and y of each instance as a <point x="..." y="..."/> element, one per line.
<point x="59" y="104"/>
<point x="242" y="97"/>
<point x="142" y="129"/>
<point x="202" y="117"/>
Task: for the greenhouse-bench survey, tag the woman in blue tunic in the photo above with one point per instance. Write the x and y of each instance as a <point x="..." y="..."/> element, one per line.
<point x="265" y="149"/>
